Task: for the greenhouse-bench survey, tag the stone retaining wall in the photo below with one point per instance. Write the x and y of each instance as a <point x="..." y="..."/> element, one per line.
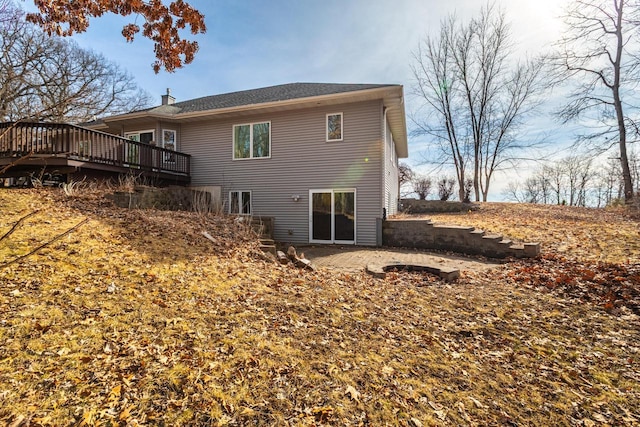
<point x="415" y="206"/>
<point x="424" y="234"/>
<point x="198" y="199"/>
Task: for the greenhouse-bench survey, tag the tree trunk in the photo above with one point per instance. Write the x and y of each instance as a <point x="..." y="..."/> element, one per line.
<point x="460" y="177"/>
<point x="624" y="161"/>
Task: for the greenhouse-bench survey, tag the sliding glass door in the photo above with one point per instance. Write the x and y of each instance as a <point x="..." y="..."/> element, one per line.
<point x="332" y="216"/>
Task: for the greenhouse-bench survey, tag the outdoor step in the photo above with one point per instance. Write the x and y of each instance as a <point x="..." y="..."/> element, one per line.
<point x="505" y="242"/>
<point x="532" y="249"/>
<point x="268" y="249"/>
<point x="496" y="237"/>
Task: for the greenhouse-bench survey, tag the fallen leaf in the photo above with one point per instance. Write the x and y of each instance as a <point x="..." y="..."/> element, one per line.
<point x="353" y="393"/>
<point x="476" y="402"/>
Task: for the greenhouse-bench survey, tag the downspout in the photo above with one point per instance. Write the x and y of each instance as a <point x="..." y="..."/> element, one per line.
<point x="384" y="156"/>
<point x="380" y="221"/>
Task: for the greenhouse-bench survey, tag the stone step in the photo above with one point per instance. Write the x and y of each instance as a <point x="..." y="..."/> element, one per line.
<point x="496" y="237"/>
<point x="262" y="226"/>
<point x="268" y="249"/>
<point x="532" y="250"/>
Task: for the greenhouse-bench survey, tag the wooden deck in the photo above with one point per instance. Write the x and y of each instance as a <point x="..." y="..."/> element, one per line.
<point x="32" y="147"/>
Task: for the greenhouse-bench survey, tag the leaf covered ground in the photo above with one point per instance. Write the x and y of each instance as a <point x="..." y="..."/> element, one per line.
<point x="134" y="318"/>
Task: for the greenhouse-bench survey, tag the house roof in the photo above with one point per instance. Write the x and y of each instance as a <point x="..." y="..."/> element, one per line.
<point x="269" y="94"/>
<point x="278" y="98"/>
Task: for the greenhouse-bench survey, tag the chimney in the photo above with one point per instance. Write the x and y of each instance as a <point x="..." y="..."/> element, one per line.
<point x="168" y="99"/>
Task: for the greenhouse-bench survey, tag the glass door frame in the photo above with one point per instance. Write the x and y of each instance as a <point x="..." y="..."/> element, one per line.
<point x="333" y="216"/>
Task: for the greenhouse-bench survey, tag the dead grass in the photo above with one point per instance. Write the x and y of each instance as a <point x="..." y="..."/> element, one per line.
<point x="136" y="319"/>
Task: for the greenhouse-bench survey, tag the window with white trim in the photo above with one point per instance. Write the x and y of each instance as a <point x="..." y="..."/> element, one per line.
<point x="169" y="138"/>
<point x="240" y="202"/>
<point x="145" y="136"/>
<point x="334" y="127"/>
<point x="132" y="151"/>
<point x="252" y="140"/>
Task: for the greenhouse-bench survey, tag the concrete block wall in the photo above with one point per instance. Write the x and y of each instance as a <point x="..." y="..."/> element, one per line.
<point x="424" y="234"/>
<point x="168" y="198"/>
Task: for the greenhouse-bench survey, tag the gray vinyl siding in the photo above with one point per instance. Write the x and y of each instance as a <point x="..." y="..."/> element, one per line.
<point x="390" y="173"/>
<point x="301" y="160"/>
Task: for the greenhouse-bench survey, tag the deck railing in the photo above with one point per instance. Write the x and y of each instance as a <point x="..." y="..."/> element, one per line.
<point x="86" y="145"/>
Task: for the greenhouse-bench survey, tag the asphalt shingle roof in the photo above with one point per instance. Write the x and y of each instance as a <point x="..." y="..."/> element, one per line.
<point x="269" y="94"/>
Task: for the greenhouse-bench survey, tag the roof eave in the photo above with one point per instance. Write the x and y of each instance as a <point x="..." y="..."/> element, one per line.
<point x="371" y="93"/>
<point x="398" y="123"/>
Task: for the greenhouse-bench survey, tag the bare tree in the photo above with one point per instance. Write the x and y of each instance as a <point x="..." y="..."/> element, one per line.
<point x="468" y="187"/>
<point x="422" y="186"/>
<point x="6" y="10"/>
<point x="578" y="174"/>
<point x="608" y="183"/>
<point x="475" y="99"/>
<point x="405" y="174"/>
<point x="52" y="79"/>
<point x="445" y="188"/>
<point x="437" y="82"/>
<point x="556" y="178"/>
<point x="544" y="183"/>
<point x="405" y="179"/>
<point x="530" y="191"/>
<point x="571" y="180"/>
<point x="599" y="55"/>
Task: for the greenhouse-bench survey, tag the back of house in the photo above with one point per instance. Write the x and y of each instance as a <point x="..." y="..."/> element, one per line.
<point x="320" y="159"/>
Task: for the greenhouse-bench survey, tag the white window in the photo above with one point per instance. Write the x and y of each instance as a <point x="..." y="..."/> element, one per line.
<point x="334" y="127"/>
<point x="252" y="141"/>
<point x="240" y="202"/>
<point x="132" y="151"/>
<point x="146" y="136"/>
<point x="169" y="142"/>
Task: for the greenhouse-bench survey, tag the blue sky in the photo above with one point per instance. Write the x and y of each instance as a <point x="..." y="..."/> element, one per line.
<point x="254" y="43"/>
<point x="260" y="43"/>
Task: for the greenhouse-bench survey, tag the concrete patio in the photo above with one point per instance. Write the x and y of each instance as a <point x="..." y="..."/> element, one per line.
<point x="355" y="259"/>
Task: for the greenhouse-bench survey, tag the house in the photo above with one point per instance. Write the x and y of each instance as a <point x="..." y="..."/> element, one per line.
<point x="321" y="159"/>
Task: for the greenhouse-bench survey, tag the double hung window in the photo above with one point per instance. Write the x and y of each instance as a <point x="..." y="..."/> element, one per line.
<point x="169" y="142"/>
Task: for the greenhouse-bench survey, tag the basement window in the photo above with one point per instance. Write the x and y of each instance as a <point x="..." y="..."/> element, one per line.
<point x="240" y="202"/>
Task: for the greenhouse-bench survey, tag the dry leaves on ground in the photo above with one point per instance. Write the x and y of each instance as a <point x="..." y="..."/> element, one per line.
<point x="589" y="253"/>
<point x="586" y="234"/>
<point x="136" y="319"/>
